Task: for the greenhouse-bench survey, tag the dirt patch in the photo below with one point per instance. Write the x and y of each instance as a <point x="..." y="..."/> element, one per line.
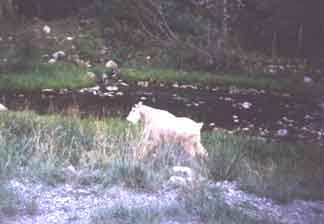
<point x="79" y="204"/>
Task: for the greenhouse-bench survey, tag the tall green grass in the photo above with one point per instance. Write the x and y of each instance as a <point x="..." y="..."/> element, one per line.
<point x="46" y="146"/>
<point x="46" y="76"/>
<point x="106" y="151"/>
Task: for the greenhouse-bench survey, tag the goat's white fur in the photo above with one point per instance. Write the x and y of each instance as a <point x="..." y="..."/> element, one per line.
<point x="162" y="126"/>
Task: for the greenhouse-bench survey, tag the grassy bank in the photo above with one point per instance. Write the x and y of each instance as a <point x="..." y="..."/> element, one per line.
<point x="49" y="76"/>
<point x="104" y="151"/>
<point x="64" y="75"/>
<point x="293" y="84"/>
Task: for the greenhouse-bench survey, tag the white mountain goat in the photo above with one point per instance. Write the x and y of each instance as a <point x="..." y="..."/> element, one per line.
<point x="161" y="126"/>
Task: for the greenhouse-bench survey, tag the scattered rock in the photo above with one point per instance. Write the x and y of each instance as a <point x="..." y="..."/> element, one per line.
<point x="63" y="91"/>
<point x="46" y="29"/>
<point x="92" y="75"/>
<point x="47" y="90"/>
<point x="177" y="181"/>
<point x="175" y="85"/>
<point x="282" y="132"/>
<point x="246" y="105"/>
<point x="235" y="119"/>
<point x="143" y="83"/>
<point x="123" y="84"/>
<point x="228" y="99"/>
<point x="112" y="88"/>
<point x="109" y="94"/>
<point x="308" y="79"/>
<point x="287" y="120"/>
<point x="233" y="90"/>
<point x="52" y="61"/>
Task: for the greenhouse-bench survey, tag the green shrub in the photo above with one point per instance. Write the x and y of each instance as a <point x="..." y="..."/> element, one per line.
<point x="281" y="171"/>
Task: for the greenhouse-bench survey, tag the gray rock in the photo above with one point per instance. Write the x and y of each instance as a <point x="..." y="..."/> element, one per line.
<point x="113" y="66"/>
<point x="58" y="55"/>
<point x="177" y="181"/>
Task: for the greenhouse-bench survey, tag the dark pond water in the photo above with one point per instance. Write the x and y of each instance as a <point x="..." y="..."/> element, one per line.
<point x="248" y="111"/>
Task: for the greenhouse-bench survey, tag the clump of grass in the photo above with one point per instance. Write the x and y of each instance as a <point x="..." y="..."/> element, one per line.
<point x="225" y="153"/>
<point x="278" y="170"/>
<point x="46" y="76"/>
<point x="128" y="215"/>
<point x="209" y="205"/>
<point x="47" y="145"/>
<point x="132" y="174"/>
<point x="50" y="142"/>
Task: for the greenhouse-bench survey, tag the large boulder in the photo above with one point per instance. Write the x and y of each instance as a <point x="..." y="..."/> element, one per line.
<point x="113" y="66"/>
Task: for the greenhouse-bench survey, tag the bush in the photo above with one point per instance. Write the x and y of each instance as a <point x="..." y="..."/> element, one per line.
<point x="280" y="171"/>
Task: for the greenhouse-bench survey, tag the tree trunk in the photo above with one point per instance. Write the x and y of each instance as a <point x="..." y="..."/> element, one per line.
<point x="322" y="24"/>
<point x="226" y="17"/>
<point x="7" y="10"/>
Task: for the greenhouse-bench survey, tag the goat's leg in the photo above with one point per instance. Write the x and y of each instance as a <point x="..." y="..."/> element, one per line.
<point x="193" y="146"/>
<point x="150" y="140"/>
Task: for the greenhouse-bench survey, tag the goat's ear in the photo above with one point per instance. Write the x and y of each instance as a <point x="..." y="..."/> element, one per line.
<point x="200" y="125"/>
<point x="140" y="103"/>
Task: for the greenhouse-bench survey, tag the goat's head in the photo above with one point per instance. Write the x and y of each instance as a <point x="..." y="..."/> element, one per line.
<point x="134" y="115"/>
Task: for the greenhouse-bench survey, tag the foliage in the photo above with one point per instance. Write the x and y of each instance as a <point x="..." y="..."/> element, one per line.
<point x="209" y="35"/>
<point x="16" y="54"/>
<point x="212" y="35"/>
